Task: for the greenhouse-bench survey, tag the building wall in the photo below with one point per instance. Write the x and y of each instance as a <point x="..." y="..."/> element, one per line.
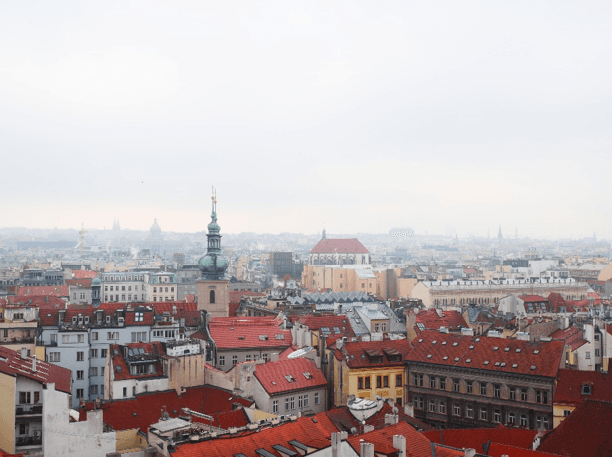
<point x="559" y="413"/>
<point x="135" y="387"/>
<point x="185" y="371"/>
<point x="7" y="413"/>
<point x="244" y="355"/>
<point x="338" y="279"/>
<point x="34" y="423"/>
<point x="62" y="438"/>
<point x="220" y="308"/>
<point x="266" y="403"/>
<point x="393" y="391"/>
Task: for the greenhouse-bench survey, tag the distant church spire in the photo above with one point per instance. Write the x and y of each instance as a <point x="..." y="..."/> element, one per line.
<point x="500" y="236"/>
<point x="324" y="234"/>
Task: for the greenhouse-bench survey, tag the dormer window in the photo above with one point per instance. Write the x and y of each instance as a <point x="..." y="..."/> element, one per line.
<point x="586" y="389"/>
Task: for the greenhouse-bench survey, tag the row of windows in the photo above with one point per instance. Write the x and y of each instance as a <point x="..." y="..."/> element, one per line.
<point x="247" y="358"/>
<point x="171" y="298"/>
<point x="483" y="414"/>
<point x="161" y="289"/>
<point x="381" y="381"/>
<point x="110" y="288"/>
<point x="303" y="402"/>
<point x="123" y="278"/>
<point x="93" y="371"/>
<point x="541" y="396"/>
<point x="108" y="298"/>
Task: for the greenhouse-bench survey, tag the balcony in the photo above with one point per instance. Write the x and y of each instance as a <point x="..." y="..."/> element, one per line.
<point x="29" y="410"/>
<point x="28" y="441"/>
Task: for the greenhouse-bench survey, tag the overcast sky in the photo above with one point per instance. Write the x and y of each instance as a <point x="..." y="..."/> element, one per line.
<point x="363" y="116"/>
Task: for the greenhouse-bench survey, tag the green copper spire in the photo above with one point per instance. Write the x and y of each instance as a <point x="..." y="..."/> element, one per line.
<point x="213" y="265"/>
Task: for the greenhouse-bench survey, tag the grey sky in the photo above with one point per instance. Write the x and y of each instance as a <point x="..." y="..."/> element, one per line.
<point x="362" y="115"/>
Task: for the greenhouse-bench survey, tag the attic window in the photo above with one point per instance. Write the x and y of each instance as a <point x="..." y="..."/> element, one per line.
<point x="518" y="350"/>
<point x="434" y="342"/>
<point x="280" y="337"/>
<point x="506" y="349"/>
<point x="496" y="364"/>
<point x="421" y="340"/>
<point x="586" y="389"/>
<point x="471" y="346"/>
<point x="503" y="364"/>
<point x="443" y="343"/>
<point x="289" y="378"/>
<point x="536" y="352"/>
<point x="337" y="330"/>
<point x="456" y="359"/>
<point x="445" y="357"/>
<point x="118" y="368"/>
<point x="532" y="367"/>
<point x="477" y="340"/>
<point x="486" y="362"/>
<point x="307" y="375"/>
<point x="496" y="348"/>
<point x="515" y="365"/>
<point x="263" y="337"/>
<point x="468" y="360"/>
<point x="455" y="344"/>
<point x="325" y="330"/>
<point x="429" y="356"/>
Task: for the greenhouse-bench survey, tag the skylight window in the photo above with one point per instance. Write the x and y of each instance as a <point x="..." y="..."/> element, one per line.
<point x="325" y="330"/>
<point x="496" y="348"/>
<point x="443" y="343"/>
<point x="307" y="375"/>
<point x="471" y="346"/>
<point x="263" y="337"/>
<point x="496" y="364"/>
<point x="421" y="340"/>
<point x="455" y="344"/>
<point x="429" y="356"/>
<point x="468" y="360"/>
<point x="279" y="337"/>
<point x="456" y="359"/>
<point x="337" y="330"/>
<point x="515" y="365"/>
<point x="289" y="378"/>
<point x="486" y="362"/>
<point x="536" y="352"/>
<point x="506" y="349"/>
<point x="503" y="364"/>
<point x="477" y="340"/>
<point x="445" y="357"/>
<point x="434" y="342"/>
<point x="532" y="367"/>
<point x="518" y="350"/>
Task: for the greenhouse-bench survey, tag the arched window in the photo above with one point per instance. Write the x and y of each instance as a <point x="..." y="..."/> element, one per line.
<point x="511" y="418"/>
<point x="212" y="296"/>
<point x="523" y="420"/>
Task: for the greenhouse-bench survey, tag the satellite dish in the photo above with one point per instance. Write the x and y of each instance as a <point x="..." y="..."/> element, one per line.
<point x="353" y="430"/>
<point x="395" y="410"/>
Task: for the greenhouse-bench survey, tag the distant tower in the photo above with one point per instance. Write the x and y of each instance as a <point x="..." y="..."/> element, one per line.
<point x="96" y="286"/>
<point x="82" y="233"/>
<point x="116" y="225"/>
<point x="213" y="288"/>
<point x="323" y="235"/>
<point x="500" y="236"/>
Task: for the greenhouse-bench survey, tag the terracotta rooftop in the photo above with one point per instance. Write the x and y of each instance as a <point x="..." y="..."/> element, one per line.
<point x="83" y="274"/>
<point x="364" y="354"/>
<point x="344" y="420"/>
<point x="248" y="333"/>
<point x="35" y="301"/>
<point x="12" y="364"/>
<point x="495" y="354"/>
<point x="339" y="246"/>
<point x="587" y="431"/>
<point x="151" y="352"/>
<point x="433" y="319"/>
<point x="328" y="324"/>
<point x="572" y="337"/>
<point x="478" y="438"/>
<point x="145" y="409"/>
<point x="570" y="384"/>
<point x="47" y="290"/>
<point x="289" y="375"/>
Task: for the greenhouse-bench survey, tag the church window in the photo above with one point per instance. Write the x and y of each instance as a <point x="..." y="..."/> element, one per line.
<point x="212" y="296"/>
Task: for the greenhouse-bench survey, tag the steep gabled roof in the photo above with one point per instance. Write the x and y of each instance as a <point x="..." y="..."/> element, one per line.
<point x="329" y="323"/>
<point x="539" y="358"/>
<point x="248" y="333"/>
<point x="151" y="351"/>
<point x="289" y="375"/>
<point x="46" y="290"/>
<point x="572" y="337"/>
<point x="570" y="384"/>
<point x="433" y="319"/>
<point x="12" y="364"/>
<point x="370" y="354"/>
<point x="477" y="438"/>
<point x="587" y="431"/>
<point x="35" y="301"/>
<point x="339" y="246"/>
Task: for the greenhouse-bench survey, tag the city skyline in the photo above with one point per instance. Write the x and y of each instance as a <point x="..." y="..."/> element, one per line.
<point x="359" y="116"/>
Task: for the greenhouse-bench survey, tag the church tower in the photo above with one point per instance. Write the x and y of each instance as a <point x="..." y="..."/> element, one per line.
<point x="213" y="288"/>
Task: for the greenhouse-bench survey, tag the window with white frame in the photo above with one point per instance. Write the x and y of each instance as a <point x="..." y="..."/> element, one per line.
<point x="316" y="398"/>
<point x="222" y="360"/>
<point x="275" y="406"/>
<point x="54" y="356"/>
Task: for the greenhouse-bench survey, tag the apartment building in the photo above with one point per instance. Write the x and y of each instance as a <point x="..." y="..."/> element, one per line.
<point x="124" y="287"/>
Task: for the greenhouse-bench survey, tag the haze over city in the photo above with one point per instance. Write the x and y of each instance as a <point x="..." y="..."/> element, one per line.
<point x="451" y="118"/>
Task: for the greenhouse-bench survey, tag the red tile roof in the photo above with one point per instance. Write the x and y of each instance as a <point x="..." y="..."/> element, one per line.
<point x="570" y="383"/>
<point x="499" y="450"/>
<point x="534" y="358"/>
<point x="533" y="299"/>
<point x="50" y="317"/>
<point x="248" y="333"/>
<point x="47" y="290"/>
<point x="356" y="354"/>
<point x="272" y="375"/>
<point x="431" y="320"/>
<point x="339" y="246"/>
<point x="587" y="431"/>
<point x="476" y="438"/>
<point x="229" y="419"/>
<point x="344" y="420"/>
<point x="35" y="301"/>
<point x="330" y="321"/>
<point x="572" y="337"/>
<point x="82" y="274"/>
<point x="314" y="434"/>
<point x="206" y="399"/>
<point x="416" y="443"/>
<point x="121" y="370"/>
<point x="82" y="283"/>
<point x="12" y="364"/>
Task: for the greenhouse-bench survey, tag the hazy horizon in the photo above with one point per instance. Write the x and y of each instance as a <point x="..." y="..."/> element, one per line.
<point x="447" y="117"/>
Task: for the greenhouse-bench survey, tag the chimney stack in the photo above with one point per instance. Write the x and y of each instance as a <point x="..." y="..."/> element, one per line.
<point x="399" y="443"/>
<point x="34" y="364"/>
<point x="24" y="353"/>
<point x="367" y="449"/>
<point x="409" y="409"/>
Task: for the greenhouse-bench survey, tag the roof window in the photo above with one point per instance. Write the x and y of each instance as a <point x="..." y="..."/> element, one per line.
<point x="289" y="378"/>
<point x="486" y="362"/>
<point x="586" y="389"/>
<point x="263" y="337"/>
<point x="515" y="365"/>
<point x="503" y="364"/>
<point x="445" y="357"/>
<point x="532" y="367"/>
<point x="443" y="343"/>
<point x="434" y="342"/>
<point x="477" y="340"/>
<point x="456" y="359"/>
<point x="506" y="349"/>
<point x="307" y="375"/>
<point x="279" y="337"/>
<point x="468" y="360"/>
<point x="455" y="344"/>
<point x="118" y="368"/>
<point x="421" y="340"/>
<point x="496" y="348"/>
<point x="518" y="350"/>
<point x="497" y="364"/>
<point x="536" y="352"/>
<point x="429" y="356"/>
<point x="471" y="346"/>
